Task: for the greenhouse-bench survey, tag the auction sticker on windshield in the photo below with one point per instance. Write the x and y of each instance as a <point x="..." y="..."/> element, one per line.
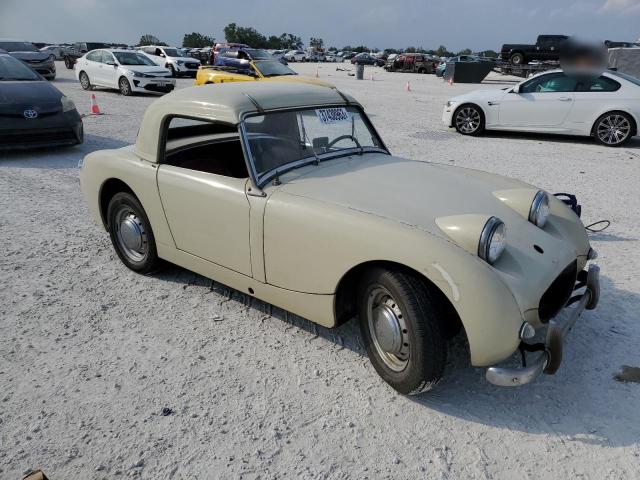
<point x="332" y="115"/>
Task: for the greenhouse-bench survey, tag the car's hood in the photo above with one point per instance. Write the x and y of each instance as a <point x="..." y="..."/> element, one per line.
<point x="478" y="96"/>
<point x="152" y="69"/>
<point x="408" y="191"/>
<point x="26" y="56"/>
<point x="40" y="95"/>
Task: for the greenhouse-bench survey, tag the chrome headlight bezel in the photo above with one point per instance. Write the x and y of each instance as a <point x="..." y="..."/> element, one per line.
<point x="539" y="211"/>
<point x="493" y="240"/>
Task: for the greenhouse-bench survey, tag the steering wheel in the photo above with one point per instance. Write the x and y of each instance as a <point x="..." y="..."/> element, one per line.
<point x="344" y="137"/>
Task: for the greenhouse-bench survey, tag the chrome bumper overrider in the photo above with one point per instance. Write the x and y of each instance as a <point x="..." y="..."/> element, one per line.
<point x="548" y="360"/>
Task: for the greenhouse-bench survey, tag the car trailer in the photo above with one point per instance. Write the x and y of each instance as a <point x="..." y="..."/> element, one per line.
<point x="524" y="71"/>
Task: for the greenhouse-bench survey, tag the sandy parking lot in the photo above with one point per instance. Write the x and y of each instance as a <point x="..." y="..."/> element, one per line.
<point x="91" y="353"/>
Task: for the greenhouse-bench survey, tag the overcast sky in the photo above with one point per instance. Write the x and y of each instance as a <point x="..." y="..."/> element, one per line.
<point x="457" y="24"/>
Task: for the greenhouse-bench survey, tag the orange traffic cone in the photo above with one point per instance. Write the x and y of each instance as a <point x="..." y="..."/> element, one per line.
<point x="408" y="87"/>
<point x="95" y="109"/>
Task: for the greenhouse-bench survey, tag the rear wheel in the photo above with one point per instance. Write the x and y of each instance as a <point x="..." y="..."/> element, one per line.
<point x="85" y="83"/>
<point x="469" y="120"/>
<point x="131" y="233"/>
<point x="613" y="129"/>
<point x="68" y="63"/>
<point x="400" y="325"/>
<point x="124" y="86"/>
<point x="517" y="58"/>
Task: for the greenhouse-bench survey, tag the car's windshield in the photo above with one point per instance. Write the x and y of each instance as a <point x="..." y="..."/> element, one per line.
<point x="133" y="58"/>
<point x="627" y="77"/>
<point x="18" y="47"/>
<point x="257" y="54"/>
<point x="171" y="52"/>
<point x="273" y="68"/>
<point x="12" y="70"/>
<point x="279" y="141"/>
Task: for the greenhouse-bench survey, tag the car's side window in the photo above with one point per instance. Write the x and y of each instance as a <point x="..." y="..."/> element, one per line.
<point x="600" y="84"/>
<point x="95" y="56"/>
<point x="210" y="147"/>
<point x="552" y="83"/>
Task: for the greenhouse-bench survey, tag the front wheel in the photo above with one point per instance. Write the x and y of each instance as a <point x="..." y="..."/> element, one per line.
<point x="85" y="83"/>
<point x="613" y="129"/>
<point x="124" y="86"/>
<point x="469" y="120"/>
<point x="400" y="325"/>
<point x="131" y="233"/>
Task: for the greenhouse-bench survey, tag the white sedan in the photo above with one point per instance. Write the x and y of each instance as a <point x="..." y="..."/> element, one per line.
<point x="124" y="70"/>
<point x="605" y="107"/>
<point x="295" y="56"/>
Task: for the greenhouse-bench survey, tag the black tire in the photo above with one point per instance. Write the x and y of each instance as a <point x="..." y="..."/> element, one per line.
<point x="85" y="82"/>
<point x="516" y="58"/>
<point x="468" y="119"/>
<point x="420" y="365"/>
<point x="173" y="71"/>
<point x="605" y="131"/>
<point x="123" y="206"/>
<point x="124" y="86"/>
<point x="68" y="63"/>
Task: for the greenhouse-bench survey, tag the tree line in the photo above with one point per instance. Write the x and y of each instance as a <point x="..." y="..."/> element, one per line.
<point x="287" y="41"/>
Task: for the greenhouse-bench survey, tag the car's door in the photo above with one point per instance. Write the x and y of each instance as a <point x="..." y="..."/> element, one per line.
<point x="109" y="69"/>
<point x="544" y="101"/>
<point x="202" y="184"/>
<point x="92" y="65"/>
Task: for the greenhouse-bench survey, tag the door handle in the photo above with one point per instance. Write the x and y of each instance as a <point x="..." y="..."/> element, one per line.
<point x="565" y="99"/>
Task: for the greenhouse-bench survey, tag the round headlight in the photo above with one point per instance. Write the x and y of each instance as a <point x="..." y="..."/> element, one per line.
<point x="539" y="211"/>
<point x="493" y="239"/>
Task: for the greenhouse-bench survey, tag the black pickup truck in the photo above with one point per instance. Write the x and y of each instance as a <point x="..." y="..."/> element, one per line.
<point x="78" y="49"/>
<point x="547" y="47"/>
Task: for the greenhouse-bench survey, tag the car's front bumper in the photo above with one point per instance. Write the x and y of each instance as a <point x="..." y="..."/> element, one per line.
<point x="447" y="115"/>
<point x="159" y="85"/>
<point x="188" y="69"/>
<point x="51" y="130"/>
<point x="550" y="356"/>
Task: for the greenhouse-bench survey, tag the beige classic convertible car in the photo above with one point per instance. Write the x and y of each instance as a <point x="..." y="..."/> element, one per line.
<point x="286" y="192"/>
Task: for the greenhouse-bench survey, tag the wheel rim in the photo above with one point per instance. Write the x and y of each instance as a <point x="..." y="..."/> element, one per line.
<point x="468" y="120"/>
<point x="613" y="129"/>
<point x="84" y="80"/>
<point x="124" y="86"/>
<point x="131" y="234"/>
<point x="517" y="59"/>
<point x="388" y="329"/>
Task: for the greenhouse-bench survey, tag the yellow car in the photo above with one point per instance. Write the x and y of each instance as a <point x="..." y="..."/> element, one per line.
<point x="249" y="71"/>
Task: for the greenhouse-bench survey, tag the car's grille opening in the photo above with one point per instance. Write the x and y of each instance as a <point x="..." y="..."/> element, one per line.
<point x="36" y="137"/>
<point x="558" y="293"/>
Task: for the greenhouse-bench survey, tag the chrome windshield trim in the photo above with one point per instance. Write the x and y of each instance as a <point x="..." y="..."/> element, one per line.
<point x="260" y="180"/>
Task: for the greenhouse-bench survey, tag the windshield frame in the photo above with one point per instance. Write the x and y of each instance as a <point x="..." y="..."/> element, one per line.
<point x="261" y="180"/>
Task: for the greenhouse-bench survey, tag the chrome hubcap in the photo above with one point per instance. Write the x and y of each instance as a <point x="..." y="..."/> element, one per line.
<point x="124" y="85"/>
<point x="388" y="329"/>
<point x="613" y="129"/>
<point x="131" y="234"/>
<point x="84" y="80"/>
<point x="468" y="120"/>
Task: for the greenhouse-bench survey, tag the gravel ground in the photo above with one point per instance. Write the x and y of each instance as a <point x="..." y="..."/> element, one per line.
<point x="91" y="353"/>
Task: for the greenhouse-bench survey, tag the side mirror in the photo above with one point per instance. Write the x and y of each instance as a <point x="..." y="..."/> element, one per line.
<point x="113" y="64"/>
<point x="515" y="89"/>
